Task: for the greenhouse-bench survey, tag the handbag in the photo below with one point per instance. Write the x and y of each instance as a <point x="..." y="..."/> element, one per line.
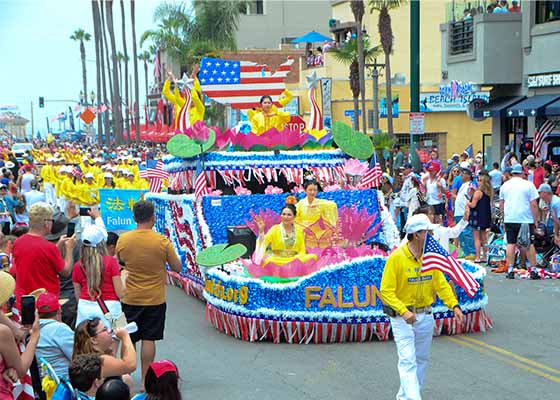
<point x="421" y="199"/>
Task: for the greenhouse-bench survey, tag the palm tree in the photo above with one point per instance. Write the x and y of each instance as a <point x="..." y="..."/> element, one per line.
<point x="348" y="54"/>
<point x="135" y="58"/>
<point x="106" y="48"/>
<point x="120" y="58"/>
<point x="98" y="50"/>
<point x="125" y="60"/>
<point x="117" y="114"/>
<point x="82" y="36"/>
<point x="98" y="23"/>
<point x="386" y="37"/>
<point x="357" y="7"/>
<point x="146" y="58"/>
<point x="223" y="14"/>
<point x="381" y="142"/>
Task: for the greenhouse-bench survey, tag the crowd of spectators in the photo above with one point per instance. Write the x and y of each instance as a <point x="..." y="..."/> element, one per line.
<point x="89" y="285"/>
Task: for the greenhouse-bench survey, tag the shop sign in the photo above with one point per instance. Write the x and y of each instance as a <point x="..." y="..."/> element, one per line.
<point x="543" y="80"/>
<point x="436" y="102"/>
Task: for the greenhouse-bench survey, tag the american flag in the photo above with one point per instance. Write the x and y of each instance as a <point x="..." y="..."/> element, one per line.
<point x="241" y="83"/>
<point x="77" y="171"/>
<point x="546" y="127"/>
<point x="155" y="174"/>
<point x="436" y="257"/>
<point x="200" y="184"/>
<point x="372" y="177"/>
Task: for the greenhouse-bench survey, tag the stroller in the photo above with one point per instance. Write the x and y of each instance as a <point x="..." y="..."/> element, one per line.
<point x="544" y="246"/>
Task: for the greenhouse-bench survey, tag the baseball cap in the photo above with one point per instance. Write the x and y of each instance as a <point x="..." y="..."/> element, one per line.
<point x="407" y="165"/>
<point x="455" y="156"/>
<point x="47" y="303"/>
<point x="467" y="171"/>
<point x="545" y="188"/>
<point x="92" y="235"/>
<point x="108" y="175"/>
<point x="517" y="169"/>
<point x="89" y="175"/>
<point x="433" y="167"/>
<point x="465" y="165"/>
<point x="419" y="222"/>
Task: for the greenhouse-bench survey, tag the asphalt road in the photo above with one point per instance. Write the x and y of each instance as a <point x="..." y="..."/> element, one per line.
<point x="518" y="359"/>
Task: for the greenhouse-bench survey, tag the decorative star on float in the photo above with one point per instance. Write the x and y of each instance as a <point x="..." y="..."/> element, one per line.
<point x="312" y="80"/>
<point x="185" y="80"/>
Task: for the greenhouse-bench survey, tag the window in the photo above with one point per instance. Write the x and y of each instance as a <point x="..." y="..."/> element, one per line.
<point x="547" y="11"/>
<point x="461" y="36"/>
<point x="255" y="7"/>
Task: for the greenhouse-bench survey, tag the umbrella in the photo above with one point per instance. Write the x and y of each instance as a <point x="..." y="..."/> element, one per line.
<point x="312" y="37"/>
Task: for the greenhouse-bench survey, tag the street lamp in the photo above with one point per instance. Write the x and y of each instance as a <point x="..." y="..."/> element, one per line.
<point x="82" y="97"/>
<point x="375" y="69"/>
<point x="92" y="97"/>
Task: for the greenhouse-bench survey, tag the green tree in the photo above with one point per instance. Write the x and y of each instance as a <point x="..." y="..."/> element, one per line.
<point x="386" y="37"/>
<point x="381" y="142"/>
<point x="82" y="36"/>
<point x="348" y="54"/>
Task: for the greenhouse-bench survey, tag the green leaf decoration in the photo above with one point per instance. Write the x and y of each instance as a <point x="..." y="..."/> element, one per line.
<point x="220" y="254"/>
<point x="183" y="147"/>
<point x="355" y="144"/>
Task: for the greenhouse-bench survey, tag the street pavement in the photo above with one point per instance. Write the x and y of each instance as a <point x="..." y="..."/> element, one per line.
<point x="519" y="359"/>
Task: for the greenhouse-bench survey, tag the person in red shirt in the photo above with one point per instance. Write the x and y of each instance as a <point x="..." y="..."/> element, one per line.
<point x="37" y="263"/>
<point x="97" y="278"/>
<point x="538" y="173"/>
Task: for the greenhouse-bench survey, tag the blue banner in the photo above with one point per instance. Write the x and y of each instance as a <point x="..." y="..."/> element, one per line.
<point x="116" y="208"/>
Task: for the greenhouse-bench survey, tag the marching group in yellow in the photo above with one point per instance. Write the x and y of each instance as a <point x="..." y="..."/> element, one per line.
<point x="78" y="178"/>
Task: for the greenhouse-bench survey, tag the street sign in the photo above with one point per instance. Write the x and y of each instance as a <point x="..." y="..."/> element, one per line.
<point x="350" y="113"/>
<point x="87" y="116"/>
<point x="296" y="123"/>
<point x="416" y="123"/>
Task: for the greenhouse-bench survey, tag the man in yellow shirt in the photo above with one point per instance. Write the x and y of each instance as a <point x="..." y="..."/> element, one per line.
<point x="408" y="295"/>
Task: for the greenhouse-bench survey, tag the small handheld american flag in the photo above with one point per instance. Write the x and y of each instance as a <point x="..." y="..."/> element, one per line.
<point x="155" y="174"/>
<point x="372" y="177"/>
<point x="436" y="257"/>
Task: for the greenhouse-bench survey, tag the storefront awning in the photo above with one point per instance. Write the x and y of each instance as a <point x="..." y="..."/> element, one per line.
<point x="553" y="108"/>
<point x="497" y="107"/>
<point x="532" y="106"/>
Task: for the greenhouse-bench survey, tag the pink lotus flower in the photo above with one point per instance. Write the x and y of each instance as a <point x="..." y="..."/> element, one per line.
<point x="355" y="167"/>
<point x="240" y="190"/>
<point x="223" y="139"/>
<point x="356" y="226"/>
<point x="298" y="189"/>
<point x="273" y="190"/>
<point x="200" y="132"/>
<point x="215" y="193"/>
<point x="287" y="139"/>
<point x="331" y="188"/>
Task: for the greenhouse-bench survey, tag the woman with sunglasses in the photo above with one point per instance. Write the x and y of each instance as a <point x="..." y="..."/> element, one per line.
<point x="161" y="382"/>
<point x="93" y="337"/>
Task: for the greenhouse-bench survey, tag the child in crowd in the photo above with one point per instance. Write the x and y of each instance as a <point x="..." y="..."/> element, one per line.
<point x="161" y="382"/>
<point x="113" y="389"/>
<point x="84" y="374"/>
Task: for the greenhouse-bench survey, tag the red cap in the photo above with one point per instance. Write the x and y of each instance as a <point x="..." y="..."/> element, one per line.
<point x="433" y="167"/>
<point x="28" y="167"/>
<point x="47" y="303"/>
<point x="548" y="162"/>
<point x="162" y="366"/>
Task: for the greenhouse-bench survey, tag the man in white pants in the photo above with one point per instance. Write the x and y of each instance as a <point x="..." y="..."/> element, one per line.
<point x="408" y="295"/>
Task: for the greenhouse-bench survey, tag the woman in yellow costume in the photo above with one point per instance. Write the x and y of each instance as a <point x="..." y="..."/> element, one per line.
<point x="311" y="211"/>
<point x="268" y="116"/>
<point x="196" y="111"/>
<point x="286" y="240"/>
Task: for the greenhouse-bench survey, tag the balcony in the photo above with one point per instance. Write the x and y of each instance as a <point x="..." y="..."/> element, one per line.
<point x="484" y="50"/>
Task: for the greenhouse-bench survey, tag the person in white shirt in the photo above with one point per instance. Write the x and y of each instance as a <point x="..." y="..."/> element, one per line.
<point x="34" y="195"/>
<point x="435" y="191"/>
<point x="496" y="176"/>
<point x="466" y="237"/>
<point x="518" y="200"/>
<point x="24" y="181"/>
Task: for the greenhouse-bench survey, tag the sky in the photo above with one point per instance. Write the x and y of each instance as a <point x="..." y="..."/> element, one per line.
<point x="38" y="58"/>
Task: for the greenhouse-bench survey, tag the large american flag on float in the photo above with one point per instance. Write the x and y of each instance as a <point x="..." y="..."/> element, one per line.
<point x="546" y="127"/>
<point x="241" y="83"/>
<point x="155" y="174"/>
<point x="436" y="257"/>
<point x="372" y="177"/>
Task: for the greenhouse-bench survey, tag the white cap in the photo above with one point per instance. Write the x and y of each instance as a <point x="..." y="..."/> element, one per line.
<point x="465" y="165"/>
<point x="419" y="222"/>
<point x="85" y="158"/>
<point x="108" y="175"/>
<point x="92" y="235"/>
<point x="89" y="175"/>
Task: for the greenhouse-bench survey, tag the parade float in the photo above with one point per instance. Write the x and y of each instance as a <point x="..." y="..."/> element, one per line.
<point x="223" y="183"/>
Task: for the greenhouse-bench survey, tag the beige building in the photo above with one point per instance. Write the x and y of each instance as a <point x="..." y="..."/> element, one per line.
<point x="14" y="125"/>
<point x="268" y="23"/>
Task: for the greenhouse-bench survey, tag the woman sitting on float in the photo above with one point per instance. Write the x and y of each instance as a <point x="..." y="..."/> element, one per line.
<point x="286" y="240"/>
<point x="268" y="116"/>
<point x="318" y="217"/>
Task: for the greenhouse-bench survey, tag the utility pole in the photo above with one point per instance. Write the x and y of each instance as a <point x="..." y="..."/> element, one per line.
<point x="414" y="75"/>
<point x="361" y="61"/>
<point x="375" y="69"/>
<point x="32" y="122"/>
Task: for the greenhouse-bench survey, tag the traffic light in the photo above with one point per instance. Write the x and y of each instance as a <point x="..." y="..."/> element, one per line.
<point x="41" y="102"/>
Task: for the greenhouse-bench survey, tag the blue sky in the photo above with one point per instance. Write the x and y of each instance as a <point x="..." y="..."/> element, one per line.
<point x="37" y="57"/>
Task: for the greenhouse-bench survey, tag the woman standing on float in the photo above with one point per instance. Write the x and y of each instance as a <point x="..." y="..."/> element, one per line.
<point x="268" y="116"/>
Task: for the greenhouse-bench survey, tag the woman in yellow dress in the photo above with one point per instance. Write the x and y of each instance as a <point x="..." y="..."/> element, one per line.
<point x="268" y="116"/>
<point x="286" y="240"/>
<point x="311" y="211"/>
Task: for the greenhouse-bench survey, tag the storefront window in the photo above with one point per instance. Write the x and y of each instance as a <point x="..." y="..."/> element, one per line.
<point x="547" y="11"/>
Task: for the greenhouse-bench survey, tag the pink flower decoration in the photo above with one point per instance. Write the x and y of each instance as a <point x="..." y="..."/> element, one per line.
<point x="298" y="189"/>
<point x="272" y="138"/>
<point x="223" y="139"/>
<point x="355" y="167"/>
<point x="331" y="188"/>
<point x="215" y="193"/>
<point x="200" y="132"/>
<point x="241" y="190"/>
<point x="273" y="190"/>
<point x="356" y="226"/>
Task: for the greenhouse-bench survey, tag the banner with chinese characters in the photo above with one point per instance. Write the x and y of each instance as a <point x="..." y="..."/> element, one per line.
<point x="116" y="208"/>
